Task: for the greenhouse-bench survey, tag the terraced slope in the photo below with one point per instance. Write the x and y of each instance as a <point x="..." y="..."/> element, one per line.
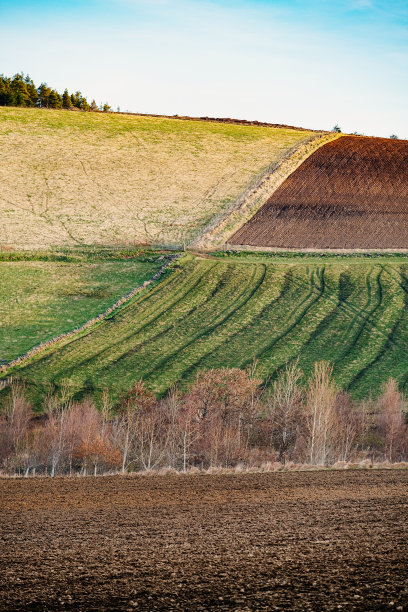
<point x="214" y="313"/>
<point x="93" y="178"/>
<point x="352" y="193"/>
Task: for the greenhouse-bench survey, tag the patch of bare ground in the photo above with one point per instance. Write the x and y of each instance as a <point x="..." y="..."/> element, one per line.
<point x="282" y="541"/>
<point x="352" y="193"/>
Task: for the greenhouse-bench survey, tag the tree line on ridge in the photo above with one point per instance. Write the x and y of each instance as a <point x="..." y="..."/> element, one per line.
<point x="21" y="90"/>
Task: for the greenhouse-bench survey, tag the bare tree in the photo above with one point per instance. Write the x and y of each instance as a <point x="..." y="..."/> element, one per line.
<point x="152" y="434"/>
<point x="349" y="426"/>
<point x="222" y="420"/>
<point x="126" y="422"/>
<point x="15" y="425"/>
<point x="54" y="432"/>
<point x="320" y="414"/>
<point x="392" y="422"/>
<point x="183" y="429"/>
<point x="284" y="410"/>
<point x="224" y="400"/>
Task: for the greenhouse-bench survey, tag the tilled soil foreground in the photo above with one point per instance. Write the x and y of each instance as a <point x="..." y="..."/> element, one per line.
<point x="283" y="541"/>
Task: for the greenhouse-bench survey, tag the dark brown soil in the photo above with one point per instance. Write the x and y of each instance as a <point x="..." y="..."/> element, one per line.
<point x="285" y="541"/>
<point x="351" y="193"/>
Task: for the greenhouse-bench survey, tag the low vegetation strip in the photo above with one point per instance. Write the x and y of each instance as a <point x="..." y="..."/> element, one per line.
<point x="43" y="346"/>
<point x="227" y="312"/>
<point x="105" y="178"/>
<point x="352" y="193"/>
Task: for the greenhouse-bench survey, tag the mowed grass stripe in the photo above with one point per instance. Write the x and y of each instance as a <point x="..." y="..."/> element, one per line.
<point x="219" y="327"/>
<point x="219" y="349"/>
<point x="387" y="302"/>
<point x="364" y="315"/>
<point x="204" y="287"/>
<point x="391" y="356"/>
<point x="187" y="329"/>
<point x="298" y="327"/>
<point x="331" y="338"/>
<point x="251" y="341"/>
<point x="388" y="359"/>
<point x="209" y="313"/>
<point x="294" y="318"/>
<point x="350" y="343"/>
<point x="106" y="344"/>
<point x="392" y="360"/>
<point x="184" y="329"/>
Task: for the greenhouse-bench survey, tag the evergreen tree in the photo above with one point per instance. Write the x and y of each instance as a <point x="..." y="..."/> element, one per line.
<point x="84" y="105"/>
<point x="55" y="100"/>
<point x="66" y="99"/>
<point x="44" y="93"/>
<point x="20" y="95"/>
<point x="76" y="99"/>
<point x="32" y="91"/>
<point x="21" y="91"/>
<point x="5" y="91"/>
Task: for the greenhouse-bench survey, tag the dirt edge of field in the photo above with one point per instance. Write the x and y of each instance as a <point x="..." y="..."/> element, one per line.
<point x="239" y="470"/>
<point x="350" y="194"/>
<point x="225" y="224"/>
<point x="228" y="246"/>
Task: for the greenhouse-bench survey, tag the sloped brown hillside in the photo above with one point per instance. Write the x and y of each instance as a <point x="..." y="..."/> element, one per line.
<point x="351" y="193"/>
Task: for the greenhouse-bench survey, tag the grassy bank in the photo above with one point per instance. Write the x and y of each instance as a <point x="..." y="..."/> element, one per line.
<point x="213" y="313"/>
<point x="44" y="294"/>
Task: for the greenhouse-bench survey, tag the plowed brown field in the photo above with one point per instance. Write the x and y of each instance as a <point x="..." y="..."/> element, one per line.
<point x="283" y="541"/>
<point x="351" y="193"/>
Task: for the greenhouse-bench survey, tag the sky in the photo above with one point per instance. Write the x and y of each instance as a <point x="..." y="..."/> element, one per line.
<point x="309" y="63"/>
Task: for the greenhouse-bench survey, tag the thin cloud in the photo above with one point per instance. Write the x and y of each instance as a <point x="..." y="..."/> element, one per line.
<point x="362" y="4"/>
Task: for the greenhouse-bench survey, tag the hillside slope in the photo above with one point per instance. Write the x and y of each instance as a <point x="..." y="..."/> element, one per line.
<point x="213" y="313"/>
<point x="41" y="298"/>
<point x="94" y="178"/>
<point x="352" y="193"/>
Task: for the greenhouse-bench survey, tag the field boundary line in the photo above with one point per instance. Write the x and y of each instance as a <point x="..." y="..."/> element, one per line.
<point x="39" y="348"/>
<point x="279" y="250"/>
<point x="225" y="224"/>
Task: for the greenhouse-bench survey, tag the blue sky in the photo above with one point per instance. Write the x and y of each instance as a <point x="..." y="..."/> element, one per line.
<point x="311" y="63"/>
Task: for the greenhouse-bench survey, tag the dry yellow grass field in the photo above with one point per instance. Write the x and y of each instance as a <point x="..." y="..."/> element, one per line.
<point x="87" y="178"/>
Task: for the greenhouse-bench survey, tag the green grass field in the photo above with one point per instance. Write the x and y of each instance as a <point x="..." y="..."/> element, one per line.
<point x="41" y="299"/>
<point x="229" y="311"/>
